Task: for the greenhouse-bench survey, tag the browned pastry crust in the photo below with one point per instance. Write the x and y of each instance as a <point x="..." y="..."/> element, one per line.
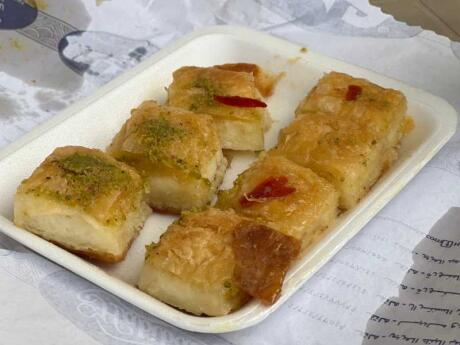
<point x="89" y="254"/>
<point x="85" y="201"/>
<point x="240" y="127"/>
<point x="262" y="257"/>
<point x="210" y="262"/>
<point x="303" y="214"/>
<point x="265" y="82"/>
<point x="176" y="151"/>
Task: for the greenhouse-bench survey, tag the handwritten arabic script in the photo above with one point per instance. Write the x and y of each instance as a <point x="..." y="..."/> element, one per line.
<point x="427" y="310"/>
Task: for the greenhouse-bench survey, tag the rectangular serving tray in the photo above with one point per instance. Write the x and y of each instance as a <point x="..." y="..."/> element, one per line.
<point x="93" y="122"/>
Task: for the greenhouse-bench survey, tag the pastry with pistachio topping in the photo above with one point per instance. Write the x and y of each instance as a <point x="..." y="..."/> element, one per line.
<point x="211" y="262"/>
<point x="177" y="152"/>
<point x="231" y="94"/>
<point x="85" y="201"/>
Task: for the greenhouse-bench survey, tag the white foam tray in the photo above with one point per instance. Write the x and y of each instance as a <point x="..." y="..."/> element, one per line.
<point x="93" y="121"/>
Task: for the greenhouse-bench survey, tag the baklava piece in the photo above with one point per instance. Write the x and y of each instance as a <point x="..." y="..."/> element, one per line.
<point x="348" y="130"/>
<point x="212" y="262"/>
<point x="381" y="111"/>
<point x="85" y="201"/>
<point x="340" y="150"/>
<point x="230" y="94"/>
<point x="177" y="152"/>
<point x="284" y="196"/>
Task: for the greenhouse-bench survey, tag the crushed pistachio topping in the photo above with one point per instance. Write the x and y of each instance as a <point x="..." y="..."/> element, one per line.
<point x="82" y="179"/>
<point x="89" y="173"/>
<point x="206" y="98"/>
<point x="87" y="176"/>
<point x="206" y="85"/>
<point x="160" y="136"/>
<point x="159" y="132"/>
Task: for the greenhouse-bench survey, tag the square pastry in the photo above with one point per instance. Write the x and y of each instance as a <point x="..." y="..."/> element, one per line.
<point x="192" y="266"/>
<point x="284" y="196"/>
<point x="380" y="110"/>
<point x="85" y="201"/>
<point x="345" y="152"/>
<point x="177" y="152"/>
<point x="211" y="262"/>
<point x="230" y="94"/>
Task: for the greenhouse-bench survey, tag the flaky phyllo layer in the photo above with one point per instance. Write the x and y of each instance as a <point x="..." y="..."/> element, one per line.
<point x="83" y="200"/>
<point x="177" y="152"/>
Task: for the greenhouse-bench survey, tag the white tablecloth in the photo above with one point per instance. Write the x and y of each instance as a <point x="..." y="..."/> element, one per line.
<point x="41" y="303"/>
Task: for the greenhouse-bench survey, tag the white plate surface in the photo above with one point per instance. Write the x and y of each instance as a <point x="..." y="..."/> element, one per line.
<point x="93" y="121"/>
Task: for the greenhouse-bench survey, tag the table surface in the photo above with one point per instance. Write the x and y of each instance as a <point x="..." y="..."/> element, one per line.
<point x="41" y="303"/>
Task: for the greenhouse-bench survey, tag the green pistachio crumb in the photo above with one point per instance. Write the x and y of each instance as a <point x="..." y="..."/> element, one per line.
<point x="87" y="176"/>
<point x="159" y="131"/>
<point x="206" y="98"/>
<point x="92" y="173"/>
<point x="206" y="85"/>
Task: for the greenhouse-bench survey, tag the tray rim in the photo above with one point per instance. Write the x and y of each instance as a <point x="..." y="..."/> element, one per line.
<point x="230" y="322"/>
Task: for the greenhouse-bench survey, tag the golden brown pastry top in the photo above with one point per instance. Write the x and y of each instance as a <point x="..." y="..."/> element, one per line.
<point x="263" y="257"/>
<point x="197" y="248"/>
<point x="195" y="88"/>
<point x="265" y="82"/>
<point x="342" y="95"/>
<point x="293" y="209"/>
<point x="319" y="137"/>
<point x="87" y="179"/>
<point x="158" y="137"/>
<point x="222" y="249"/>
